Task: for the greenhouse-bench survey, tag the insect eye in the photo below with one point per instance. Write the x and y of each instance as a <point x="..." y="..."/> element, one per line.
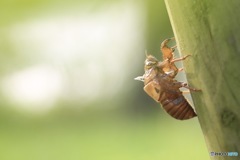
<point x="150" y="63"/>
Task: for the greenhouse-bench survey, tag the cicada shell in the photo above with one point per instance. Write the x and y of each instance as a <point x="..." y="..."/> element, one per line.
<point x="159" y="83"/>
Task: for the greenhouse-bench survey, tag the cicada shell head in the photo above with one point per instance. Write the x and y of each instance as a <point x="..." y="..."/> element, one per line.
<point x="150" y="62"/>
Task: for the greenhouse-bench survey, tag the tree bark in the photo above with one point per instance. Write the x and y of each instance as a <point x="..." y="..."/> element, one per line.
<point x="210" y="32"/>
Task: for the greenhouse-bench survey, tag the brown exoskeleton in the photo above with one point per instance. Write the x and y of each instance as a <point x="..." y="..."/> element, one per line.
<point x="169" y="59"/>
<point x="159" y="83"/>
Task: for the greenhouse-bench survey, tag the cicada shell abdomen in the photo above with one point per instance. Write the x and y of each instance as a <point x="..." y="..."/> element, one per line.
<point x="162" y="90"/>
<point x="176" y="106"/>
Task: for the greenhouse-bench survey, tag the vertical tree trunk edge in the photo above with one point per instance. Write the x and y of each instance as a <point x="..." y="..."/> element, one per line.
<point x="209" y="31"/>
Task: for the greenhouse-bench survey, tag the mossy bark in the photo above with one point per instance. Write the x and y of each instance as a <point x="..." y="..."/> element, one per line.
<point x="210" y="32"/>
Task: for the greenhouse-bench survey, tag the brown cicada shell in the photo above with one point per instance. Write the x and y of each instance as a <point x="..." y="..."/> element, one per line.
<point x="159" y="83"/>
<point x="168" y="57"/>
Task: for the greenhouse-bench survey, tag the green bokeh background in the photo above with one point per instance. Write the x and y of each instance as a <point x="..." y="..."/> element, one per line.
<point x="127" y="126"/>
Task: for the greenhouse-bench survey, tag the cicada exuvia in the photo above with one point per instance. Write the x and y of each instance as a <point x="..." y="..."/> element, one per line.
<point x="159" y="83"/>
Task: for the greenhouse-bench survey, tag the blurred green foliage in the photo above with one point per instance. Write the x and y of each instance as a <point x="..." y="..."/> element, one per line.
<point x="130" y="126"/>
<point x="100" y="135"/>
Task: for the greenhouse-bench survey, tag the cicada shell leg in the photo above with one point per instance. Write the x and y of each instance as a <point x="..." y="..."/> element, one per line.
<point x="185" y="85"/>
<point x="167" y="51"/>
<point x="153" y="90"/>
<point x="179" y="59"/>
<point x="180" y="69"/>
<point x="174" y="47"/>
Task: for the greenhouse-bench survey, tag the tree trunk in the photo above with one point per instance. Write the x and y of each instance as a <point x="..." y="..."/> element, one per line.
<point x="210" y="32"/>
